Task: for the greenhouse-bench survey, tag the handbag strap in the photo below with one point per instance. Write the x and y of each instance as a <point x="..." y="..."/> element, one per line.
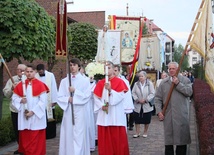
<point x="149" y="87"/>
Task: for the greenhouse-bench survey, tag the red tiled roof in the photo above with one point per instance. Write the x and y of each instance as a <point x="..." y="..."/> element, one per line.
<point x="156" y="28"/>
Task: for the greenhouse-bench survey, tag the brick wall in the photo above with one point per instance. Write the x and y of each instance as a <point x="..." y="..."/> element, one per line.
<point x="59" y="69"/>
<point x="49" y="5"/>
<point x="96" y="18"/>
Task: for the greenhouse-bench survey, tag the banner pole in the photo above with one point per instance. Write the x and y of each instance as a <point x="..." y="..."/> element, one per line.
<point x="8" y="72"/>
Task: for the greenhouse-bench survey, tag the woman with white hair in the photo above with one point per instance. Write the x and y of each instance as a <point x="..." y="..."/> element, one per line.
<point x="143" y="92"/>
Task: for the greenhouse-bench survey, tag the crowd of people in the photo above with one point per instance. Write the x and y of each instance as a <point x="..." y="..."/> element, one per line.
<point x="96" y="111"/>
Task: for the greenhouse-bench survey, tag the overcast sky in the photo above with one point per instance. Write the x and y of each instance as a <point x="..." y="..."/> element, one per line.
<point x="175" y="17"/>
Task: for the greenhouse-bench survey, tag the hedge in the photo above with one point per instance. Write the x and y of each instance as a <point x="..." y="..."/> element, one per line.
<point x="204" y="107"/>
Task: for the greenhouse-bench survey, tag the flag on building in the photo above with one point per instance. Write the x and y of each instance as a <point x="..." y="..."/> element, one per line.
<point x="202" y="40"/>
<point x="61" y="30"/>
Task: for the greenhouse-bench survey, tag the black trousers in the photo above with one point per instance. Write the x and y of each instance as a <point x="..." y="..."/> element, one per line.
<point x="130" y="119"/>
<point x="180" y="149"/>
<point x="51" y="127"/>
<point x="14" y="118"/>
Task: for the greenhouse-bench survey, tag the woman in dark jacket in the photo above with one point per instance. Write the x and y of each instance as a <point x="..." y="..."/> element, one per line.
<point x="191" y="77"/>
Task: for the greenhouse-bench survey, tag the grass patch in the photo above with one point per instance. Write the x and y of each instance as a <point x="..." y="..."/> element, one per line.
<point x="5" y="107"/>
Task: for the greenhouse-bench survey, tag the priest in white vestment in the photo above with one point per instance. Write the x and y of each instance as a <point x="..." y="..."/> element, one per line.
<point x="49" y="79"/>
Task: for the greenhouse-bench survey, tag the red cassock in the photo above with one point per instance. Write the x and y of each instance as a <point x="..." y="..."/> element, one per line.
<point x="32" y="142"/>
<point x="112" y="140"/>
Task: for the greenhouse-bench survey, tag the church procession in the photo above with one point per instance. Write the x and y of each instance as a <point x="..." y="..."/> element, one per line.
<point x="126" y="95"/>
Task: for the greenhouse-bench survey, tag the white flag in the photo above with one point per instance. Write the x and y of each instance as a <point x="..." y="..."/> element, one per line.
<point x="202" y="40"/>
<point x="209" y="58"/>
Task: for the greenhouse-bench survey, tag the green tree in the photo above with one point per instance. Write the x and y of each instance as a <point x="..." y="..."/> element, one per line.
<point x="84" y="41"/>
<point x="26" y="31"/>
<point x="178" y="51"/>
<point x="199" y="71"/>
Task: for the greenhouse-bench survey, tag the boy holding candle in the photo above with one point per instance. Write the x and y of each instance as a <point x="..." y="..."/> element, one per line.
<point x="31" y="124"/>
<point x="111" y="119"/>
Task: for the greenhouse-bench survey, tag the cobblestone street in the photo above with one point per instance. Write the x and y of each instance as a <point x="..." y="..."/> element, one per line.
<point x="152" y="145"/>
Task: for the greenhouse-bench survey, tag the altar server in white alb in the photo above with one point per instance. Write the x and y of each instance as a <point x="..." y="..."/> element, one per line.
<point x="111" y="119"/>
<point x="128" y="102"/>
<point x="49" y="79"/>
<point x="73" y="137"/>
<point x="90" y="112"/>
<point x="30" y="99"/>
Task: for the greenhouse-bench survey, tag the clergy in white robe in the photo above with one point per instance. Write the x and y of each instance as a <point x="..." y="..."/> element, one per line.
<point x="49" y="79"/>
<point x="128" y="102"/>
<point x="90" y="114"/>
<point x="73" y="138"/>
<point x="92" y="127"/>
<point x="31" y="122"/>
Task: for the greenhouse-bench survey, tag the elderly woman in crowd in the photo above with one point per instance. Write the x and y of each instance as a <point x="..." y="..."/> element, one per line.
<point x="143" y="92"/>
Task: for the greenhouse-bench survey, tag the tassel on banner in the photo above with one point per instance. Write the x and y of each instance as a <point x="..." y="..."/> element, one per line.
<point x="61" y="30"/>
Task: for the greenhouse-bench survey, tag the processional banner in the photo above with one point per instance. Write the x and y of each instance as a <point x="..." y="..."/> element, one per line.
<point x="109" y="46"/>
<point x="149" y="55"/>
<point x="61" y="30"/>
<point x="202" y="40"/>
<point x="130" y="27"/>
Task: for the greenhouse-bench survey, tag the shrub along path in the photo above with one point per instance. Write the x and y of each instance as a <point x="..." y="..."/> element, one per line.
<point x="152" y="145"/>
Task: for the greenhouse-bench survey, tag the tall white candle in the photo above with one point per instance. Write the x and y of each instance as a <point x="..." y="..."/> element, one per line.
<point x="24" y="90"/>
<point x="106" y="81"/>
<point x="23" y="86"/>
<point x="106" y="74"/>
